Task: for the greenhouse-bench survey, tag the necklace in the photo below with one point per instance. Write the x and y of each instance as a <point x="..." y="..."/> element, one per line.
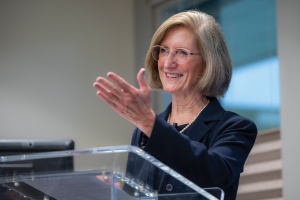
<point x="187" y="126"/>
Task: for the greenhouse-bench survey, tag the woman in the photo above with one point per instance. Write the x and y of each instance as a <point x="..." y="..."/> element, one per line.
<point x="188" y="57"/>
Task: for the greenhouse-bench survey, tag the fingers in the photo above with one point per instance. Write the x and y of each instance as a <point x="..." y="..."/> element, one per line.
<point x="142" y="81"/>
<point x="109" y="86"/>
<point x="107" y="96"/>
<point x="131" y="103"/>
<point x="121" y="82"/>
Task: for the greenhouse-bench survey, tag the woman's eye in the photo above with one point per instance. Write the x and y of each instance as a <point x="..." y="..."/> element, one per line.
<point x="182" y="53"/>
<point x="162" y="50"/>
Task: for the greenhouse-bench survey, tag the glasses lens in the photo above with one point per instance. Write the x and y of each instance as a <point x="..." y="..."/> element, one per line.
<point x="181" y="55"/>
<point x="159" y="52"/>
<point x="155" y="52"/>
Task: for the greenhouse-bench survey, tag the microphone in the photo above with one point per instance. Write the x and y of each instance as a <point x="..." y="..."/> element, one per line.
<point x="175" y="125"/>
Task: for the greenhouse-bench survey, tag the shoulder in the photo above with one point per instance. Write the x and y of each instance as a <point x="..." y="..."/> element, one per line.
<point x="232" y="121"/>
<point x="215" y="115"/>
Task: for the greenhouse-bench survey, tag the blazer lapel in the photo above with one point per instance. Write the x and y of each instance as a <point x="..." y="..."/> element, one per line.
<point x="197" y="131"/>
<point x="212" y="112"/>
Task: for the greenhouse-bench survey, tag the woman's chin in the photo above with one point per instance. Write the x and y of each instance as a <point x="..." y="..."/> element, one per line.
<point x="170" y="90"/>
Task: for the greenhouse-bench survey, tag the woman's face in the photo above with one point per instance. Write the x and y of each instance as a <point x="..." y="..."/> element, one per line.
<point x="176" y="78"/>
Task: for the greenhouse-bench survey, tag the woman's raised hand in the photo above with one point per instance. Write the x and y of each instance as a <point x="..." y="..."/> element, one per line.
<point x="131" y="103"/>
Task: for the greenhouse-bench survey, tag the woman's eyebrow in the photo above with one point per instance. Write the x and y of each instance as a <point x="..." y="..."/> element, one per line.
<point x="165" y="46"/>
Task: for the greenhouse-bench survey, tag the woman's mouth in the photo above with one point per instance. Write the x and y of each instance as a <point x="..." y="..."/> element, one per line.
<point x="173" y="75"/>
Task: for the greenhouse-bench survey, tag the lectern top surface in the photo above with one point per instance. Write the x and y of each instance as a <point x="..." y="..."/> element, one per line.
<point x="116" y="167"/>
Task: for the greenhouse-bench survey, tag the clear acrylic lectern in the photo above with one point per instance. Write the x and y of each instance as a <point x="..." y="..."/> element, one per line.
<point x="91" y="174"/>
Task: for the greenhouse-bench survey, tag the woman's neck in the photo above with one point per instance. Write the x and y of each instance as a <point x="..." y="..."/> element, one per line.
<point x="186" y="107"/>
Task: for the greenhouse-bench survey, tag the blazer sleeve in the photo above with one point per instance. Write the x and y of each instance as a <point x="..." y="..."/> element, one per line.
<point x="131" y="156"/>
<point x="217" y="165"/>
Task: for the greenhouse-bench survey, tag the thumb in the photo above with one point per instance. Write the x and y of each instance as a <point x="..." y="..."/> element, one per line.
<point x="142" y="80"/>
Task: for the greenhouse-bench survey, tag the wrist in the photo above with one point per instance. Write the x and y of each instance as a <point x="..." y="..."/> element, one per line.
<point x="146" y="126"/>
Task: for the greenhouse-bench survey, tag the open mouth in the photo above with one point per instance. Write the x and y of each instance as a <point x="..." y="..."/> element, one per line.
<point x="173" y="75"/>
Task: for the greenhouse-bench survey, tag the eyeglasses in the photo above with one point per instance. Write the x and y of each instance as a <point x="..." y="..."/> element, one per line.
<point x="179" y="55"/>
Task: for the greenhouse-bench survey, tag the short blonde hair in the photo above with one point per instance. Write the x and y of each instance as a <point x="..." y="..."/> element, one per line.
<point x="214" y="82"/>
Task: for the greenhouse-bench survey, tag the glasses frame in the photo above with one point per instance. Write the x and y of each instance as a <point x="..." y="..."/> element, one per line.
<point x="173" y="55"/>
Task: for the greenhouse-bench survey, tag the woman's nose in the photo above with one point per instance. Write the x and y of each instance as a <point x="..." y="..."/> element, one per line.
<point x="169" y="61"/>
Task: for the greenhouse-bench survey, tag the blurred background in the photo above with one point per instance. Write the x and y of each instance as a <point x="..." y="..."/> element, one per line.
<point x="51" y="52"/>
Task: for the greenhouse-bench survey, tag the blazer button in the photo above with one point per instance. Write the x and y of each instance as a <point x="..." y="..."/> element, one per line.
<point x="169" y="187"/>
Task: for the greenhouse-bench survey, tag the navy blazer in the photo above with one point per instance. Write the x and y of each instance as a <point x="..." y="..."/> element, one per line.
<point x="211" y="153"/>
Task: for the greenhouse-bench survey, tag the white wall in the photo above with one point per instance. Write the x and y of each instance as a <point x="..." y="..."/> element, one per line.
<point x="50" y="54"/>
<point x="288" y="17"/>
